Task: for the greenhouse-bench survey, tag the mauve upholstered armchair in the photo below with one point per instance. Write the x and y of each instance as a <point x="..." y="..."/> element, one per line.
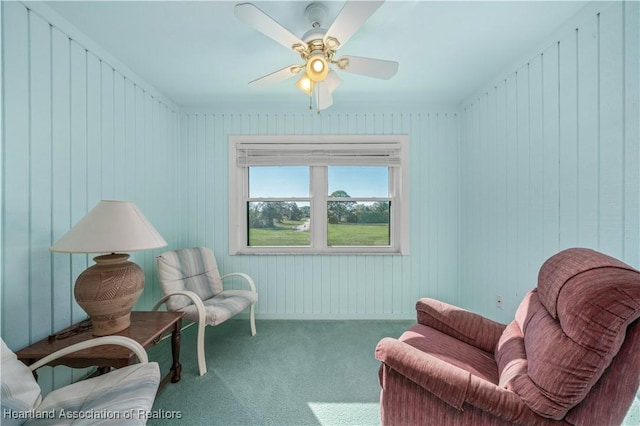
<point x="570" y="356"/>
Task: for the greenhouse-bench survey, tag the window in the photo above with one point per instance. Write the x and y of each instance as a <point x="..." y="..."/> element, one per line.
<point x="318" y="194"/>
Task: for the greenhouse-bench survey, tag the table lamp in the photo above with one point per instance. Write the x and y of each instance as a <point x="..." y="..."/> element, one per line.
<point x="108" y="290"/>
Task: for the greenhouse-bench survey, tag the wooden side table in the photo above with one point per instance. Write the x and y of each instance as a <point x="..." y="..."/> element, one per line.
<point x="146" y="328"/>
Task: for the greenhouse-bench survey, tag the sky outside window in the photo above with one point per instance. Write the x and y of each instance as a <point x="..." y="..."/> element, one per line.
<point x="293" y="181"/>
<point x="359" y="181"/>
<point x="279" y="182"/>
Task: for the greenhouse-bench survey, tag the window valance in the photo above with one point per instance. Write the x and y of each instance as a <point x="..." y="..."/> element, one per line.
<point x="348" y="153"/>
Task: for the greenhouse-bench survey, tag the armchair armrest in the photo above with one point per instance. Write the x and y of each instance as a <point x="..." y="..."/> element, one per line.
<point x="448" y="382"/>
<point x="453" y="385"/>
<point x="246" y="277"/>
<point x="464" y="325"/>
<point x="202" y="322"/>
<point x="127" y="342"/>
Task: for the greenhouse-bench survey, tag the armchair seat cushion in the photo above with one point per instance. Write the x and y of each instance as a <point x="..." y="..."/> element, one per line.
<point x="124" y="396"/>
<point x="453" y="351"/>
<point x="223" y="306"/>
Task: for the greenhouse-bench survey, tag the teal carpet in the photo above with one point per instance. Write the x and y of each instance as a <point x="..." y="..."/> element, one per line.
<point x="290" y="373"/>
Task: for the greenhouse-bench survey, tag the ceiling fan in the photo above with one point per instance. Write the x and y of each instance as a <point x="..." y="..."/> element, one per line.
<point x="317" y="48"/>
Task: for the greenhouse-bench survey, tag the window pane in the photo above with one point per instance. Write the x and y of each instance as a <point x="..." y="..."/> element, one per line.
<point x="358" y="224"/>
<point x="277" y="223"/>
<point x="359" y="181"/>
<point x="279" y="182"/>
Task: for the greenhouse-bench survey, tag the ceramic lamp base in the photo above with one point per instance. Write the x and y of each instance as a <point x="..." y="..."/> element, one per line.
<point x="108" y="290"/>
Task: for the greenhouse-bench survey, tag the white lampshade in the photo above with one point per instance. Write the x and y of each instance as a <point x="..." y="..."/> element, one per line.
<point x="110" y="227"/>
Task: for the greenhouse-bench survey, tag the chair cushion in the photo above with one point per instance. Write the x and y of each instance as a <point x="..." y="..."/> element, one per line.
<point x="511" y="356"/>
<point x="451" y="350"/>
<point x="565" y="335"/>
<point x="223" y="306"/>
<point x="123" y="396"/>
<point x="20" y="391"/>
<point x="193" y="269"/>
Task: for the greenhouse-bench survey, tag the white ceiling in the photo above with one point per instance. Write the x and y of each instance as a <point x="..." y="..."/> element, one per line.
<point x="198" y="54"/>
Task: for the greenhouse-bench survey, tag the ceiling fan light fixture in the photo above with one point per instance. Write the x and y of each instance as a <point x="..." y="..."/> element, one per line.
<point x="305" y="84"/>
<point x="317" y="67"/>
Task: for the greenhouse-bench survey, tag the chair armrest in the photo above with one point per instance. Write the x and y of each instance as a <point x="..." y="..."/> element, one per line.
<point x="127" y="342"/>
<point x="453" y="385"/>
<point x="202" y="322"/>
<point x="191" y="295"/>
<point x="464" y="325"/>
<point x="448" y="382"/>
<point x="246" y="277"/>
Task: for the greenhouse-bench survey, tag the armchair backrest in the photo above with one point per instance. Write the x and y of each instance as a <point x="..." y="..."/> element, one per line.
<point x="193" y="269"/>
<point x="20" y="391"/>
<point x="568" y="330"/>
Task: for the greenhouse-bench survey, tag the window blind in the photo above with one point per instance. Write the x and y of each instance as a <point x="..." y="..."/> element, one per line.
<point x="319" y="154"/>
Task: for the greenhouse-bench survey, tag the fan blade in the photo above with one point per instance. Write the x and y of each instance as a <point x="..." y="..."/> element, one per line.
<point x="332" y="80"/>
<point x="251" y="15"/>
<point x="323" y="96"/>
<point x="274" y="77"/>
<point x="378" y="68"/>
<point x="350" y="19"/>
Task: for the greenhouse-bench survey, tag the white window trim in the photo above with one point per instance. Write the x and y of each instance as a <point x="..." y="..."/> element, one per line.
<point x="395" y="146"/>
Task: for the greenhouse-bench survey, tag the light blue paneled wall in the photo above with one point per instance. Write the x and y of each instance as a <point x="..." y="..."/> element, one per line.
<point x="76" y="129"/>
<point x="550" y="160"/>
<point x="328" y="287"/>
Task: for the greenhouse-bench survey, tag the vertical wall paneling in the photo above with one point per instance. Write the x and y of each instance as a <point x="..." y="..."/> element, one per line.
<point x="2" y="156"/>
<point x="40" y="165"/>
<point x="611" y="130"/>
<point x="305" y="286"/>
<point x="536" y="164"/>
<point x="568" y="93"/>
<point x="72" y="135"/>
<point x="567" y="161"/>
<point x="588" y="131"/>
<point x="78" y="154"/>
<point x="61" y="174"/>
<point x="550" y="149"/>
<point x="631" y="96"/>
<point x="106" y="132"/>
<point x="93" y="113"/>
<point x="16" y="168"/>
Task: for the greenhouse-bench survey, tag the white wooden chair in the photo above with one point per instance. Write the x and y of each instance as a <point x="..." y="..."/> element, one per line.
<point x="126" y="394"/>
<point x="191" y="283"/>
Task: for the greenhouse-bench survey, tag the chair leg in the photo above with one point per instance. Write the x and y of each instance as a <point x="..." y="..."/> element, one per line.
<point x="253" y="320"/>
<point x="202" y="363"/>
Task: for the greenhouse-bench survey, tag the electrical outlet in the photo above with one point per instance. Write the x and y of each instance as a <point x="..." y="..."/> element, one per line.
<point x="499" y="303"/>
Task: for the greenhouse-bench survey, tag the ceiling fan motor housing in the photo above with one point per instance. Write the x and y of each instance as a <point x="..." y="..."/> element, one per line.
<point x="316" y="14"/>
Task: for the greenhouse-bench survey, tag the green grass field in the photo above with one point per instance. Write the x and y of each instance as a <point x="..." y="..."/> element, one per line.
<point x="371" y="234"/>
<point x="282" y="235"/>
<point x="339" y="235"/>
